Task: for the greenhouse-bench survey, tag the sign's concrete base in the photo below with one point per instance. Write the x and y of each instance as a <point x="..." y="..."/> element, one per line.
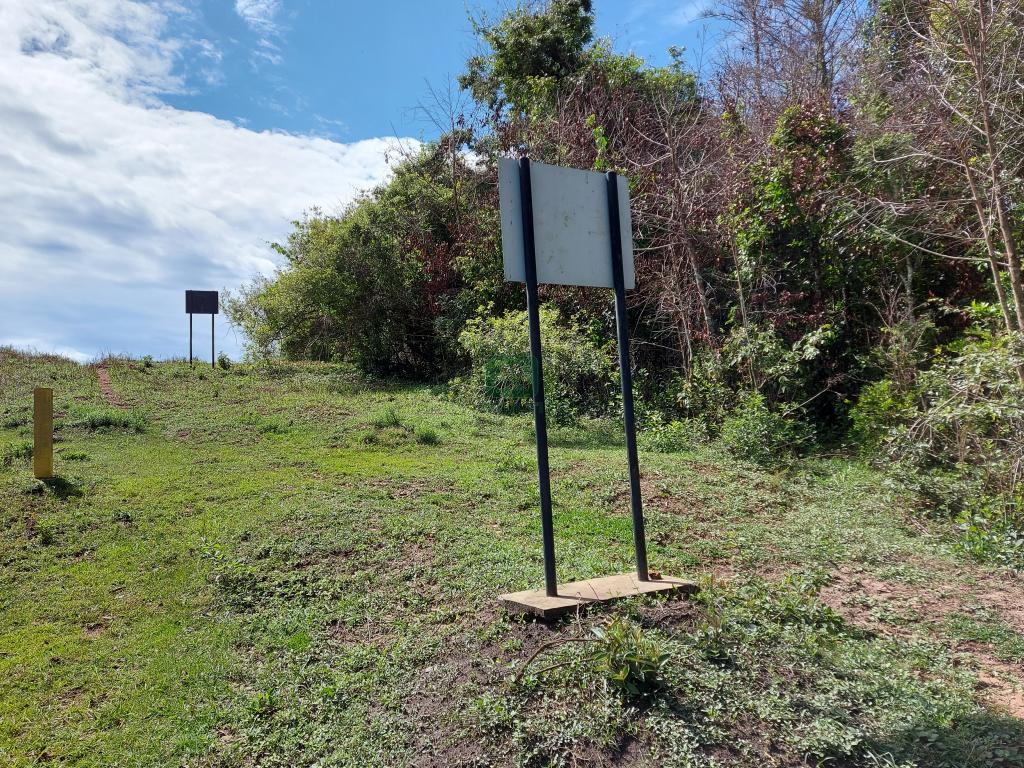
<point x="577" y="595"/>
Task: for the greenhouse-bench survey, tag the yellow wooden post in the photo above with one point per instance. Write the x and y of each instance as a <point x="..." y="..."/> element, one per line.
<point x="42" y="452"/>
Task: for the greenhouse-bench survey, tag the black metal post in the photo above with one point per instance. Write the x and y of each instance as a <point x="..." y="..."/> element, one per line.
<point x="622" y="328"/>
<point x="190" y="339"/>
<point x="539" y="415"/>
<point x="213" y="360"/>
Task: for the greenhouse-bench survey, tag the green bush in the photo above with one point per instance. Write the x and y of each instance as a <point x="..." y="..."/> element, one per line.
<point x="764" y="362"/>
<point x="578" y="376"/>
<point x="960" y="449"/>
<point x="703" y="394"/>
<point x="879" y="409"/>
<point x="673" y="436"/>
<point x="388" y="283"/>
<point x="755" y="432"/>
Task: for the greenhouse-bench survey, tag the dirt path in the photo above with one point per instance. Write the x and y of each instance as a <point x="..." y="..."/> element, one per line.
<point x="108" y="391"/>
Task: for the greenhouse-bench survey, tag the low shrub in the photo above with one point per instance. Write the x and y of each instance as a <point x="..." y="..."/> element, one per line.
<point x="704" y="393"/>
<point x="879" y="409"/>
<point x="757" y="433"/>
<point x="427" y="436"/>
<point x="960" y="448"/>
<point x="578" y="376"/>
<point x="630" y="659"/>
<point x="673" y="436"/>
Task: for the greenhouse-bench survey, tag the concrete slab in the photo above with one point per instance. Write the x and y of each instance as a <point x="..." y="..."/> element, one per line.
<point x="580" y="594"/>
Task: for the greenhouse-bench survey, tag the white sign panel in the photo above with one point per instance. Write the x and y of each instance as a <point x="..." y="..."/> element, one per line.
<point x="570" y="225"/>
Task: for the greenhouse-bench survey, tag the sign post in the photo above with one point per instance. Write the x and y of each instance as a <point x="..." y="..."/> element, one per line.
<point x="555" y="225"/>
<point x="537" y="377"/>
<point x="42" y="433"/>
<point x="626" y="376"/>
<point x="202" y="303"/>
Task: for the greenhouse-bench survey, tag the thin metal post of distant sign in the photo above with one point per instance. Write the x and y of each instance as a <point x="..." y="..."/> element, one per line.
<point x="202" y="303"/>
<point x="573" y="214"/>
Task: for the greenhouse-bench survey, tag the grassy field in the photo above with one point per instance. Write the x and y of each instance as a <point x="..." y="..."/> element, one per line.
<point x="293" y="566"/>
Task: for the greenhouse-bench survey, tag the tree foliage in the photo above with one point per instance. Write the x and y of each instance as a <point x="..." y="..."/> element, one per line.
<point x="838" y="197"/>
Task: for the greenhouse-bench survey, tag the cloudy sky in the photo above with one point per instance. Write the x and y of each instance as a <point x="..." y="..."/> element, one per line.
<point x="150" y="147"/>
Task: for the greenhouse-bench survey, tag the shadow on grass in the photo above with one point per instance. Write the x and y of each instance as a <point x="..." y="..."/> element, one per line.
<point x="985" y="740"/>
<point x="591" y="434"/>
<point x="63" y="488"/>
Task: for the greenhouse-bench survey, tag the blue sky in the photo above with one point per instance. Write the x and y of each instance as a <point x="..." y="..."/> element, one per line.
<point x="289" y="65"/>
<point x="147" y="147"/>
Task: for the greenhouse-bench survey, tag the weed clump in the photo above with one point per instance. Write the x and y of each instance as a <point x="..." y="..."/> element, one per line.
<point x="274" y="427"/>
<point x="428" y="436"/>
<point x="16" y="419"/>
<point x="389" y="418"/>
<point x="19" y="450"/>
<point x="629" y="659"/>
<point x="108" y="419"/>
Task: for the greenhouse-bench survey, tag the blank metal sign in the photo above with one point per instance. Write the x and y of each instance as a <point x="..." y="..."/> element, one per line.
<point x="570" y="224"/>
<point x="201" y="302"/>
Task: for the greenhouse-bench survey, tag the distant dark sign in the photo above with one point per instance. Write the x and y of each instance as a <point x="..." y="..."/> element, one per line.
<point x="201" y="303"/>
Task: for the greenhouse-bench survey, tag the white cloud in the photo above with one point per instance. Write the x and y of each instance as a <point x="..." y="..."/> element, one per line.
<point x="112" y="203"/>
<point x="261" y="15"/>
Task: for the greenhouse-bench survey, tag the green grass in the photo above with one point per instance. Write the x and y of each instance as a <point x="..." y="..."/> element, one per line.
<point x="292" y="565"/>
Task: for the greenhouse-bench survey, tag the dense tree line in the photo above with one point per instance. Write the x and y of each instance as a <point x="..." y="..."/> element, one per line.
<point x="826" y="230"/>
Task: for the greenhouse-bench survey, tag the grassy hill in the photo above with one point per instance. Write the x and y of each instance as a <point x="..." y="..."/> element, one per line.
<point x="294" y="566"/>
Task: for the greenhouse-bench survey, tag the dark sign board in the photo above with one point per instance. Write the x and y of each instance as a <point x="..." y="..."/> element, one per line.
<point x="201" y="303"/>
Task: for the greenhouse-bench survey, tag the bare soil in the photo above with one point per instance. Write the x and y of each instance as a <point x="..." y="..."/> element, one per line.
<point x="899" y="609"/>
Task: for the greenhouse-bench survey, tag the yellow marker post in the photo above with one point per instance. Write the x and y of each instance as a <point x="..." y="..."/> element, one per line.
<point x="42" y="452"/>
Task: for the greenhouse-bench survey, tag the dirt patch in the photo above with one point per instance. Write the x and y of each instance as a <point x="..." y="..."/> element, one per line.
<point x="702" y="505"/>
<point x="656" y="496"/>
<point x="899" y="610"/>
<point x="470" y="666"/>
<point x="999" y="683"/>
<point x="112" y="398"/>
<point x="1008" y="602"/>
<point x="367" y="633"/>
<point x="876" y="606"/>
<point x="865" y="601"/>
<point x="94" y="629"/>
<point x="671" y="615"/>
